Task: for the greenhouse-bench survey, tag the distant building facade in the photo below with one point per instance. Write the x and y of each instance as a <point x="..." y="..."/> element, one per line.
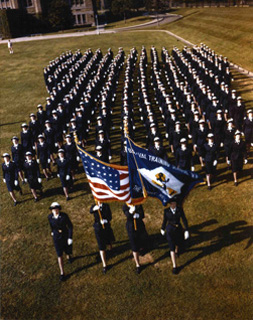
<point x="82" y="10"/>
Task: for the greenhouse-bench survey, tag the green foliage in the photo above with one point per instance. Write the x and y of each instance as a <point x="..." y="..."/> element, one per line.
<point x="59" y="15"/>
<point x="121" y="6"/>
<point x="4" y="25"/>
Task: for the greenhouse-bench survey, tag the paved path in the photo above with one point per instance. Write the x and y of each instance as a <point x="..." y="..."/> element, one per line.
<point x="157" y="20"/>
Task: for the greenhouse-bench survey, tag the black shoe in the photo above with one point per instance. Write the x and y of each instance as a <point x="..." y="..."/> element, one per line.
<point x="21" y="192"/>
<point x="47" y="178"/>
<point x="70" y="260"/>
<point x="62" y="277"/>
<point x="104" y="270"/>
<point x="175" y="270"/>
<point x="236" y="184"/>
<point x="209" y="188"/>
<point x="138" y="270"/>
<point x="23" y="182"/>
<point x="15" y="203"/>
<point x="36" y="200"/>
<point x="68" y="198"/>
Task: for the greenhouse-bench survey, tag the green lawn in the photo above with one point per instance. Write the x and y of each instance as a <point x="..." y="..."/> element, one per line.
<point x="216" y="277"/>
<point x="228" y="30"/>
<point x="129" y="22"/>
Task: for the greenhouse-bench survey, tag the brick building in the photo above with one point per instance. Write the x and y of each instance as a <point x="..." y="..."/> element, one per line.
<point x="82" y="10"/>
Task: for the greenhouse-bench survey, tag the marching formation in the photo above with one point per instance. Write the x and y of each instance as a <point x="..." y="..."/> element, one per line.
<point x="187" y="114"/>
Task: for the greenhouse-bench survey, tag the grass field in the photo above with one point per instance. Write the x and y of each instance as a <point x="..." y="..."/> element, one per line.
<point x="216" y="277"/>
<point x="228" y="30"/>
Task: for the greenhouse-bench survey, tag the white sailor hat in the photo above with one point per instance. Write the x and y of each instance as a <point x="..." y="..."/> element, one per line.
<point x="68" y="136"/>
<point x="32" y="115"/>
<point x="40" y="136"/>
<point x="237" y="133"/>
<point x="177" y="122"/>
<point x="98" y="148"/>
<point x="201" y="121"/>
<point x="14" y="138"/>
<point x="239" y="98"/>
<point x="183" y="140"/>
<point x="230" y="120"/>
<point x="47" y="121"/>
<point x="54" y="111"/>
<point x="6" y="154"/>
<point x="61" y="151"/>
<point x="152" y="125"/>
<point x="101" y="132"/>
<point x="39" y="106"/>
<point x="219" y="111"/>
<point x="28" y="153"/>
<point x="233" y="91"/>
<point x="48" y="98"/>
<point x="54" y="205"/>
<point x="250" y="111"/>
<point x="73" y="120"/>
<point x="196" y="112"/>
<point x="24" y="125"/>
<point x="157" y="139"/>
<point x="210" y="136"/>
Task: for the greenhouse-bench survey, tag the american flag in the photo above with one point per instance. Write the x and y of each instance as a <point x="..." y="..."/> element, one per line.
<point x="108" y="182"/>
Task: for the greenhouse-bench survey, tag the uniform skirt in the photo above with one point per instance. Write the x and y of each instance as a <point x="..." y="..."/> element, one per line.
<point x="138" y="238"/>
<point x="61" y="245"/>
<point x="34" y="184"/>
<point x="174" y="236"/>
<point x="237" y="164"/>
<point x="11" y="186"/>
<point x="210" y="168"/>
<point x="104" y="236"/>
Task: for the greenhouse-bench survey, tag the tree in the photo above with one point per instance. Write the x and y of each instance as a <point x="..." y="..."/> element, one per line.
<point x="121" y="7"/>
<point x="60" y="15"/>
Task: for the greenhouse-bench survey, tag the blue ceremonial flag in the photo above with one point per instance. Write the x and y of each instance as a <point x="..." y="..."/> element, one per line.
<point x="152" y="176"/>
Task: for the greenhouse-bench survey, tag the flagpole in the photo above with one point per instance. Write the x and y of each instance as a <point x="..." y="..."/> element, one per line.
<point x="96" y="201"/>
<point x="142" y="184"/>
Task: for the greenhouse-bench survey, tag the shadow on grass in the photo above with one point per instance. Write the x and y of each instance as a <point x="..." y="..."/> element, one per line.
<point x="220" y="238"/>
<point x="11" y="123"/>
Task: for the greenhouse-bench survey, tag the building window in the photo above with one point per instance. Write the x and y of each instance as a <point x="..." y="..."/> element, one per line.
<point x="28" y="3"/>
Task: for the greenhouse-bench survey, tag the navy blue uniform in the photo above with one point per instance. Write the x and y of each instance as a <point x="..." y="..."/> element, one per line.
<point x="104" y="235"/>
<point x="62" y="229"/>
<point x="64" y="170"/>
<point x="238" y="153"/>
<point x="18" y="156"/>
<point x="43" y="154"/>
<point x="10" y="174"/>
<point x="32" y="173"/>
<point x="138" y="236"/>
<point x="171" y="223"/>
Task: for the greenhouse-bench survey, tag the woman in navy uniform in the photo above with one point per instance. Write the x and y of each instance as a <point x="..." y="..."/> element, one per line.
<point x="10" y="176"/>
<point x="228" y="140"/>
<point x="184" y="156"/>
<point x="200" y="140"/>
<point x="136" y="230"/>
<point x="41" y="116"/>
<point x="26" y="139"/>
<point x="18" y="156"/>
<point x="248" y="130"/>
<point x="62" y="233"/>
<point x="64" y="172"/>
<point x="43" y="156"/>
<point x="210" y="158"/>
<point x="71" y="154"/>
<point x="49" y="137"/>
<point x="238" y="155"/>
<point x="102" y="227"/>
<point x="32" y="175"/>
<point x="174" y="231"/>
